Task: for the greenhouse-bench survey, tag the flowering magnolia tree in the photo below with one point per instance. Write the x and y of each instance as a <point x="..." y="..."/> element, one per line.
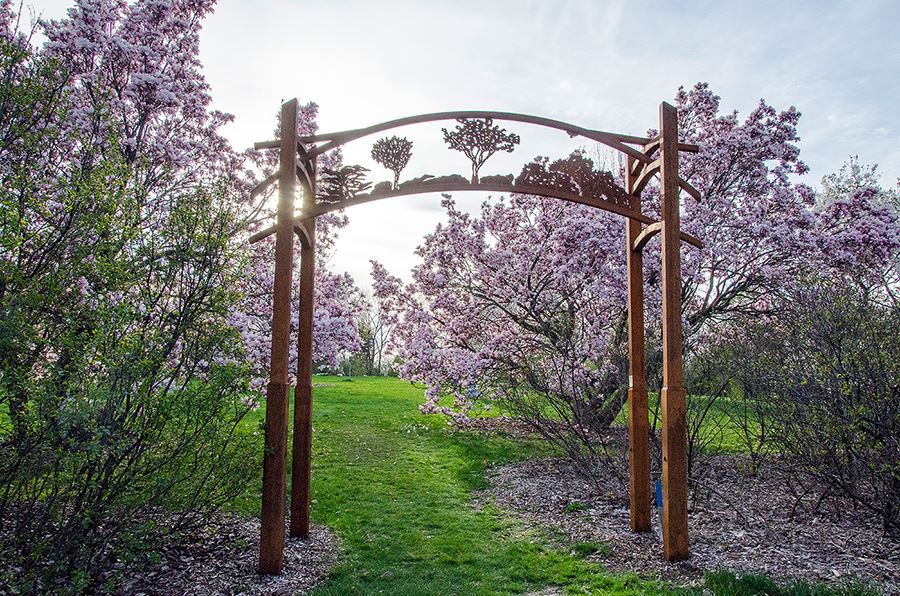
<point x="338" y="303"/>
<point x="124" y="368"/>
<point x="120" y="386"/>
<point x="525" y="303"/>
<point x="139" y="63"/>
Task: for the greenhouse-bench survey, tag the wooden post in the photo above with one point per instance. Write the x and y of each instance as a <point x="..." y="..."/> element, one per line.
<point x="638" y="416"/>
<point x="674" y="441"/>
<point x="271" y="543"/>
<point x="302" y="451"/>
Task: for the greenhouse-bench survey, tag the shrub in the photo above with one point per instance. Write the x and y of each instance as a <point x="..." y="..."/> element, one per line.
<point x="120" y="391"/>
<point x="831" y="393"/>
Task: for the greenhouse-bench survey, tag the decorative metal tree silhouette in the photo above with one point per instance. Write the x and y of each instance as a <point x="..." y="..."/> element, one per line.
<point x="342" y="184"/>
<point x="572" y="179"/>
<point x="478" y="140"/>
<point x="575" y="174"/>
<point x="393" y="153"/>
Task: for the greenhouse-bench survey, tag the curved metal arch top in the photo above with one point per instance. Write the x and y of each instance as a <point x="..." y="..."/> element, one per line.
<point x="640" y="149"/>
<point x="619" y="142"/>
<point x="439" y="187"/>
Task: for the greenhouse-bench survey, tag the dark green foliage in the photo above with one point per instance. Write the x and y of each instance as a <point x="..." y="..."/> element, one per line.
<point x="827" y="370"/>
<point x="586" y="549"/>
<point x="576" y="506"/>
<point x="748" y="584"/>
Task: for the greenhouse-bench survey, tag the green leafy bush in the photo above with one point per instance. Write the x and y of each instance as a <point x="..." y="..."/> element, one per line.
<point x="121" y="382"/>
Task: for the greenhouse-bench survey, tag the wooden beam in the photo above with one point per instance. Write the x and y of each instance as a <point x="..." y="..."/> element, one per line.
<point x="689" y="188"/>
<point x="271" y="543"/>
<point x="644" y="237"/>
<point x="273" y="144"/>
<point x="692" y="240"/>
<point x="303" y="392"/>
<point x="323" y="208"/>
<point x="262" y="234"/>
<point x="614" y="140"/>
<point x="302" y="234"/>
<point x="651" y="147"/>
<point x="638" y="414"/>
<point x="305" y="179"/>
<point x="674" y="438"/>
<point x="526" y="189"/>
<point x="263" y="186"/>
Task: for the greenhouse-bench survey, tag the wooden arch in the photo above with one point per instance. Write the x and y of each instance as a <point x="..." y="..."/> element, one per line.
<point x="646" y="158"/>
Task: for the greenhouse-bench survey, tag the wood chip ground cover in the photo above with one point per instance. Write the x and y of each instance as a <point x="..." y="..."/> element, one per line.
<point x="225" y="560"/>
<point x="744" y="525"/>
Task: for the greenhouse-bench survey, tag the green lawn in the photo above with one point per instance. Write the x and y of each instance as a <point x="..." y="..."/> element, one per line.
<point x="719" y="434"/>
<point x="397" y="487"/>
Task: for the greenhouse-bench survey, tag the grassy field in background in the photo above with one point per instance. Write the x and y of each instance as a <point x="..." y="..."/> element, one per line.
<point x="396" y="486"/>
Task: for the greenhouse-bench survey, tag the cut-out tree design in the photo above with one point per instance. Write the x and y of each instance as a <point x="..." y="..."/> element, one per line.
<point x="393" y="153"/>
<point x="343" y="183"/>
<point x="479" y="139"/>
<point x="576" y="174"/>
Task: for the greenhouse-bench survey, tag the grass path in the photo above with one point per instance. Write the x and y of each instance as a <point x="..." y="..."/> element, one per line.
<point x="397" y="487"/>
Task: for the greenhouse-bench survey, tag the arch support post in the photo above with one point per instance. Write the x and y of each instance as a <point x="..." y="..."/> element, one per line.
<point x="638" y="415"/>
<point x="674" y="438"/>
<point x="271" y="543"/>
<point x="302" y="449"/>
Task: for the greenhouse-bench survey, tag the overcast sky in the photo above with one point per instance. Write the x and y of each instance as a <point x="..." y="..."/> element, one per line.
<point x="600" y="64"/>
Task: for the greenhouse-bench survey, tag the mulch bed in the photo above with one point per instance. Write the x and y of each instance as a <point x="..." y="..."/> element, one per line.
<point x="224" y="561"/>
<point x="499" y="424"/>
<point x="740" y="522"/>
